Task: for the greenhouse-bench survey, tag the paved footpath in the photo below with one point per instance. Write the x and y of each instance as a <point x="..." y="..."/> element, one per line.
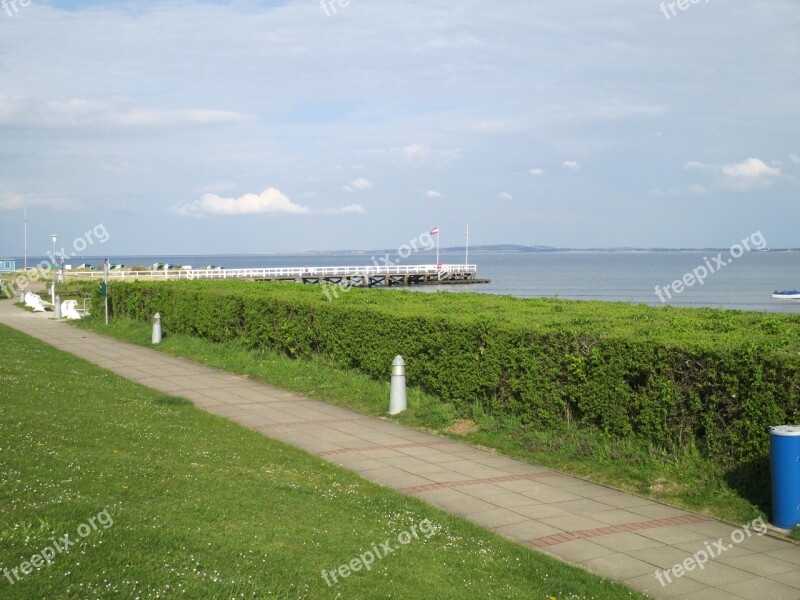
<point x="613" y="534"/>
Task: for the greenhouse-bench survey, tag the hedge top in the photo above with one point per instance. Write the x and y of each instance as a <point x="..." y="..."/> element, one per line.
<point x="687" y="327"/>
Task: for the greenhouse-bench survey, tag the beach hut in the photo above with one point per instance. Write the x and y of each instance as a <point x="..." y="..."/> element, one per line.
<point x="7" y="265"/>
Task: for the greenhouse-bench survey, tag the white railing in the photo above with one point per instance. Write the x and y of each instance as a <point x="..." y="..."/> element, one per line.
<point x="282" y="272"/>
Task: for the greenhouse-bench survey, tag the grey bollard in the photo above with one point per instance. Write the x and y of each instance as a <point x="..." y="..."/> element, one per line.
<point x="57" y="307"/>
<point x="156" y="339"/>
<point x="397" y="396"/>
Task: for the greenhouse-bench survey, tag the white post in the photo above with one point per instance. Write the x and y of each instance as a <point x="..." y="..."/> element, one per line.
<point x="156" y="337"/>
<point x="397" y="395"/>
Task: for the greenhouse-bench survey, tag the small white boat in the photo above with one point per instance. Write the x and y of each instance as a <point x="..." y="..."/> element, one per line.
<point x="787" y="295"/>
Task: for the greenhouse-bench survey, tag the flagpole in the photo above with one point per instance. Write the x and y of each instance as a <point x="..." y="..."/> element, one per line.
<point x="105" y="278"/>
<point x="466" y="252"/>
<point x="25" y="220"/>
<point x="438" y="264"/>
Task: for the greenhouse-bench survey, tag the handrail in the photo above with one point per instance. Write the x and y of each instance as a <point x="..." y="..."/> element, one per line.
<point x="281" y="272"/>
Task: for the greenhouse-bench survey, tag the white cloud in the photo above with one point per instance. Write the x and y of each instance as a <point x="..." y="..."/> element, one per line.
<point x="693" y="164"/>
<point x="433" y="194"/>
<point x="269" y="202"/>
<point x="691" y="190"/>
<point x="505" y="196"/>
<point x="752" y="168"/>
<point x="413" y="151"/>
<point x="795" y="158"/>
<point x="357" y="185"/>
<point x="352" y="209"/>
<point x="15" y="201"/>
<point x="748" y="175"/>
<point x="744" y="176"/>
<point x="422" y="155"/>
<point x="79" y="113"/>
<point x="572" y="165"/>
<point x="537" y="172"/>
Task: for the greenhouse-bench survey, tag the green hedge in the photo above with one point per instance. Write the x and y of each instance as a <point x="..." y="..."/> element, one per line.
<point x="672" y="376"/>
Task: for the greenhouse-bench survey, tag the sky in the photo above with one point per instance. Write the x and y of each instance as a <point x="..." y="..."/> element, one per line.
<point x="190" y="127"/>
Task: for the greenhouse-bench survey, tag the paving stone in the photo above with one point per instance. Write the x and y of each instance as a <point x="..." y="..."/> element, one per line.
<point x="616" y="517"/>
<point x="618" y="566"/>
<point x="760" y="588"/>
<point x="572" y="522"/>
<point x="526" y="530"/>
<point x="515" y="501"/>
<point x="496" y="517"/>
<point x="577" y="551"/>
<point x="627" y="542"/>
<point x="650" y="585"/>
<point x="790" y="553"/>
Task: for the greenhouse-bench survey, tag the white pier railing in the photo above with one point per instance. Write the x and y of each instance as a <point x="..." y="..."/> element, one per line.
<point x="287" y="273"/>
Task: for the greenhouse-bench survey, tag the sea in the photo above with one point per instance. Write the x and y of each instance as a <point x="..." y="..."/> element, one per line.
<point x="742" y="283"/>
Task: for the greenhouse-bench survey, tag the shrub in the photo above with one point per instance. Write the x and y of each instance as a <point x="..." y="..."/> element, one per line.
<point x="673" y="377"/>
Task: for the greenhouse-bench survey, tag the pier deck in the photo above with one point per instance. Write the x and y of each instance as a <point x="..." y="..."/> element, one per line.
<point x="364" y="276"/>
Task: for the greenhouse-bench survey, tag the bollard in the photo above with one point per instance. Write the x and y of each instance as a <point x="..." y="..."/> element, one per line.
<point x="57" y="307"/>
<point x="156" y="329"/>
<point x="397" y="396"/>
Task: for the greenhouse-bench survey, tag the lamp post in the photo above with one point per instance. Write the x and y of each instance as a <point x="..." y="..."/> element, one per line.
<point x="54" y="237"/>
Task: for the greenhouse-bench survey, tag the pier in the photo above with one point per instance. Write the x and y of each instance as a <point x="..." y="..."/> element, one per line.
<point x="365" y="276"/>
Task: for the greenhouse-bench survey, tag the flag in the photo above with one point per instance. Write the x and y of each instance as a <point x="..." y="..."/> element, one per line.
<point x="435" y="231"/>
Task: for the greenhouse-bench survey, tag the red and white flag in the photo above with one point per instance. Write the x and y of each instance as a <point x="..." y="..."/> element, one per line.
<point x="435" y="231"/>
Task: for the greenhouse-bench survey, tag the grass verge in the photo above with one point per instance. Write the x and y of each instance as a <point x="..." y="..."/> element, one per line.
<point x="685" y="479"/>
<point x="176" y="502"/>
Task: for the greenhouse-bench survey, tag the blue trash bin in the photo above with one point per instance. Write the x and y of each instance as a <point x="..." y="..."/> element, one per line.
<point x="784" y="454"/>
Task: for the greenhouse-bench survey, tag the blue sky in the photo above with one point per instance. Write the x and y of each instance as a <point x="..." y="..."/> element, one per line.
<point x="250" y="127"/>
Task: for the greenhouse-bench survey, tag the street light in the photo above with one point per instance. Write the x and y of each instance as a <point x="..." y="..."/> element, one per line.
<point x="54" y="237"/>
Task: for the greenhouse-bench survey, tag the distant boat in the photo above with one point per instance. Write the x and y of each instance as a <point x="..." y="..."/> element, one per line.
<point x="787" y="295"/>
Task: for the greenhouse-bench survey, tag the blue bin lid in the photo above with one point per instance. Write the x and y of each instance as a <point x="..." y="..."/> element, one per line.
<point x="787" y="430"/>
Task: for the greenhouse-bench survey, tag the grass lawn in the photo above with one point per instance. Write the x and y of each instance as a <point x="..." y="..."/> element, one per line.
<point x="687" y="479"/>
<point x="163" y="500"/>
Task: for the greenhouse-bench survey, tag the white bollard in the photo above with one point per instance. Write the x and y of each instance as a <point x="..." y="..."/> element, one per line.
<point x="57" y="307"/>
<point x="397" y="396"/>
<point x="156" y="339"/>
